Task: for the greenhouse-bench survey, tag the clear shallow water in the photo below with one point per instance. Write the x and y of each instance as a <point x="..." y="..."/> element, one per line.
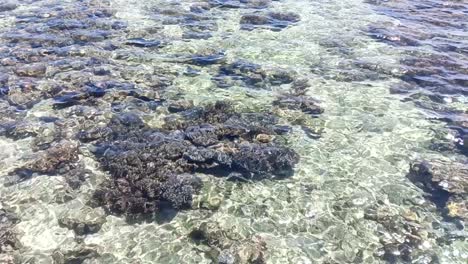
<point x="320" y="214"/>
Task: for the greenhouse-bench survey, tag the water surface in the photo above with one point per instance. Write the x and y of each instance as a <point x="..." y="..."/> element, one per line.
<point x="391" y="78"/>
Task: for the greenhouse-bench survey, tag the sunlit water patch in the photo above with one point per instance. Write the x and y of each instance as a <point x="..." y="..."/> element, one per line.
<point x="349" y="199"/>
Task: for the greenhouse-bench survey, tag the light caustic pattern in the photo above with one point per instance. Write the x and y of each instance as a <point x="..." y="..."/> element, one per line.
<point x="324" y="71"/>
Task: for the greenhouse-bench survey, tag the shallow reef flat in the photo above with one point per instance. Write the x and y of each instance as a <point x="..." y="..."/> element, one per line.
<point x="233" y="132"/>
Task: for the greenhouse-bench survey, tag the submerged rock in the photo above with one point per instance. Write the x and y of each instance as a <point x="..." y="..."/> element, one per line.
<point x="244" y="73"/>
<point x="460" y="130"/>
<point x="18" y="130"/>
<point x="257" y="4"/>
<point x="402" y="236"/>
<point x="303" y="103"/>
<point x="78" y="254"/>
<point x="275" y="21"/>
<point x="31" y="70"/>
<point x="300" y="109"/>
<point x="59" y="159"/>
<point x="179" y="106"/>
<point x="463" y="144"/>
<point x="144" y="43"/>
<point x="394" y="38"/>
<point x="204" y="60"/>
<point x="228" y="247"/>
<point x="434" y="78"/>
<point x="196" y="35"/>
<point x="263" y="160"/>
<point x="84" y="221"/>
<point x="68" y="99"/>
<point x="58" y="155"/>
<point x="446" y="183"/>
<point x="457" y="206"/>
<point x="8" y="241"/>
<point x="7" y="6"/>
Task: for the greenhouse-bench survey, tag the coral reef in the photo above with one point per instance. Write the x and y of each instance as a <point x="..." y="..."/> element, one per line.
<point x="153" y="168"/>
